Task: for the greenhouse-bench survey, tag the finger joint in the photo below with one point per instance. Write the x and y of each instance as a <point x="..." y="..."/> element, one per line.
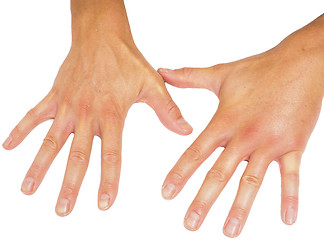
<point x="251" y="180"/>
<point x="217" y="175"/>
<point x="50" y="143"/>
<point x="79" y="157"/>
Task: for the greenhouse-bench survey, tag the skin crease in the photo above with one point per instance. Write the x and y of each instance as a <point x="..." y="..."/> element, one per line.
<point x="268" y="107"/>
<point x="102" y="76"/>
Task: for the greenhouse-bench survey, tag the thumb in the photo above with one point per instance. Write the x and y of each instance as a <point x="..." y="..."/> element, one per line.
<point x="168" y="112"/>
<point x="209" y="78"/>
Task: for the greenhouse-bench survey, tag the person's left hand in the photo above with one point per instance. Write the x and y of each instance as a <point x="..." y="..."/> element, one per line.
<point x="269" y="105"/>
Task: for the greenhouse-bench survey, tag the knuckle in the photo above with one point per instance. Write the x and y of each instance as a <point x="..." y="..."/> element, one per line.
<point x="66" y="100"/>
<point x="50" y="143"/>
<point x="35" y="170"/>
<point x="68" y="190"/>
<point x="240" y="212"/>
<point x="275" y="139"/>
<point x="84" y="108"/>
<point x="173" y="109"/>
<point x="112" y="112"/>
<point x="111" y="157"/>
<point x="113" y="116"/>
<point x="292" y="176"/>
<point x="79" y="157"/>
<point x="175" y="175"/>
<point x="251" y="180"/>
<point x="218" y="67"/>
<point x="31" y="114"/>
<point x="291" y="200"/>
<point x="186" y="71"/>
<point x="193" y="153"/>
<point x="200" y="205"/>
<point x="216" y="175"/>
<point x="107" y="186"/>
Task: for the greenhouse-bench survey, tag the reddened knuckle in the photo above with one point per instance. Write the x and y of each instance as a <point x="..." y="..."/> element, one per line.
<point x="216" y="174"/>
<point x="111" y="157"/>
<point x="79" y="157"/>
<point x="251" y="180"/>
<point x="193" y="153"/>
<point x="275" y="139"/>
<point x="50" y="143"/>
<point x="297" y="143"/>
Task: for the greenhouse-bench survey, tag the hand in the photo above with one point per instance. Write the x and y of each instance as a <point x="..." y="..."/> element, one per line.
<point x="268" y="107"/>
<point x="102" y="76"/>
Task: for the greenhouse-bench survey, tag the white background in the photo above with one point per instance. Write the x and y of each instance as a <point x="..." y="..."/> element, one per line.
<point x="34" y="40"/>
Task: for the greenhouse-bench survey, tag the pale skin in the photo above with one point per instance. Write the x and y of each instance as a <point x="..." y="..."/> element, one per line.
<point x="102" y="76"/>
<point x="268" y="107"/>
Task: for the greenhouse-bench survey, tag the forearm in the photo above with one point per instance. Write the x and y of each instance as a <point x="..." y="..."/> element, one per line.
<point x="100" y="19"/>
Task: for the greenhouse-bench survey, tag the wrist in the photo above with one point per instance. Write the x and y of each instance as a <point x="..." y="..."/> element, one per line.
<point x="96" y="21"/>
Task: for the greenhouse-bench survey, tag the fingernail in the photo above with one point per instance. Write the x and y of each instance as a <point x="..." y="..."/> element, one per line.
<point x="192" y="221"/>
<point x="290" y="216"/>
<point x="165" y="70"/>
<point x="168" y="191"/>
<point x="232" y="227"/>
<point x="104" y="202"/>
<point x="8" y="141"/>
<point x="28" y="185"/>
<point x="63" y="206"/>
<point x="184" y="125"/>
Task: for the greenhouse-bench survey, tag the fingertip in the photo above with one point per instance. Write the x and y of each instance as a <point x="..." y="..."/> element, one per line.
<point x="168" y="191"/>
<point x="192" y="221"/>
<point x="290" y="216"/>
<point x="7" y="144"/>
<point x="62" y="208"/>
<point x="232" y="227"/>
<point x="184" y="127"/>
<point x="28" y="186"/>
<point x="104" y="202"/>
<point x="164" y="71"/>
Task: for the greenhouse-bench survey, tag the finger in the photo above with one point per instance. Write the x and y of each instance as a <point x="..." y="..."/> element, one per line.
<point x="289" y="167"/>
<point x="208" y="78"/>
<point x="249" y="185"/>
<point x="52" y="144"/>
<point x="168" y="112"/>
<point x="214" y="183"/>
<point x="110" y="164"/>
<point x="43" y="111"/>
<point x="206" y="143"/>
<point x="75" y="171"/>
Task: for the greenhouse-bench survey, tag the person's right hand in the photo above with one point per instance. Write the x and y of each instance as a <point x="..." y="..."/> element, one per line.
<point x="102" y="76"/>
<point x="268" y="107"/>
